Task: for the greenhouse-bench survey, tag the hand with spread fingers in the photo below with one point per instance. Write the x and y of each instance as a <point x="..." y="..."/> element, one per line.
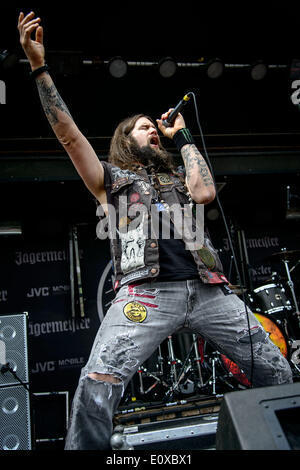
<point x="34" y="49"/>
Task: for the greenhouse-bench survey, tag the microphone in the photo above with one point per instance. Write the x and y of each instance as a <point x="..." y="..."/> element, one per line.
<point x="167" y="122"/>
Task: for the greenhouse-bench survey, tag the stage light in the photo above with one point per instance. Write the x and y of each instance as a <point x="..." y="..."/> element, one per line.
<point x="215" y="68"/>
<point x="258" y="70"/>
<point x="167" y="67"/>
<point x="10" y="228"/>
<point x="117" y="67"/>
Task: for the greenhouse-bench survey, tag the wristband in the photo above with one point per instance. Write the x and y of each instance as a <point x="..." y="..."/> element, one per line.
<point x="182" y="137"/>
<point x="35" y="73"/>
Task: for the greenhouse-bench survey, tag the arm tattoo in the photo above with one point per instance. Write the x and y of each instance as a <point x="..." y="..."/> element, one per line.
<point x="194" y="161"/>
<point x="51" y="100"/>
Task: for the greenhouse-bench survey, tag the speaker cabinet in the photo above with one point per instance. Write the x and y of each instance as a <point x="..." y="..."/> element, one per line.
<point x="15" y="428"/>
<point x="266" y="418"/>
<point x="14" y="350"/>
<point x="15" y="425"/>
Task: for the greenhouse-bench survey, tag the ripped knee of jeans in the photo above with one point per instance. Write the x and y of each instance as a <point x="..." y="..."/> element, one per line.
<point x="257" y="334"/>
<point x="103" y="383"/>
<point x="104" y="377"/>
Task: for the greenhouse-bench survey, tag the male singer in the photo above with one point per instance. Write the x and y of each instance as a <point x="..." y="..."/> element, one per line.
<point x="162" y="283"/>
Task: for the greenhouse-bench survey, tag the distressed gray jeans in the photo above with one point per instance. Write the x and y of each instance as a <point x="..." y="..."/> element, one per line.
<point x="139" y="319"/>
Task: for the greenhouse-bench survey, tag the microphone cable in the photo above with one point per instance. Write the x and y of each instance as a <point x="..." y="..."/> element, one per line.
<point x="226" y="227"/>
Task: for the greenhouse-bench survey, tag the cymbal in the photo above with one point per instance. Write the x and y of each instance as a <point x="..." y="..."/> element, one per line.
<point x="287" y="255"/>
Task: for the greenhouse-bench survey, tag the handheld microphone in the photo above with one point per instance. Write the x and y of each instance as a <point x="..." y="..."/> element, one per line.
<point x="167" y="122"/>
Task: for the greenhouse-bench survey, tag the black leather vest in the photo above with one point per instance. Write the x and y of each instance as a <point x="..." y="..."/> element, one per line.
<point x="131" y="225"/>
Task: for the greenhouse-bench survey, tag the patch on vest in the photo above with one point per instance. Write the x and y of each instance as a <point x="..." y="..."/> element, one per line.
<point x="164" y="178"/>
<point x="135" y="312"/>
<point x="207" y="258"/>
<point x="133" y="247"/>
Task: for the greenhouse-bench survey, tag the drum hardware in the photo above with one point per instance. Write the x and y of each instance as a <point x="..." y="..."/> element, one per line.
<point x="212" y="381"/>
<point x="190" y="366"/>
<point x="216" y="374"/>
<point x="144" y="371"/>
<point x="295" y="266"/>
<point x="170" y="378"/>
<point x="197" y="360"/>
<point x="285" y="254"/>
<point x="160" y="361"/>
<point x="291" y="286"/>
<point x="238" y="289"/>
<point x="295" y="357"/>
<point x="183" y="383"/>
<point x="172" y="360"/>
<point x="270" y="299"/>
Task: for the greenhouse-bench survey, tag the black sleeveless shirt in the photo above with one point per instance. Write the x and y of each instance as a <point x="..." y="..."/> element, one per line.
<point x="176" y="263"/>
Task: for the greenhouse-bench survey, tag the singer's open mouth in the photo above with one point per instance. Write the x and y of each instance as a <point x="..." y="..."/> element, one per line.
<point x="154" y="141"/>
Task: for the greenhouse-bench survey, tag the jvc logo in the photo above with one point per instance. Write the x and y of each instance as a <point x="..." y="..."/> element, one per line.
<point x="38" y="292"/>
<point x="48" y="366"/>
<point x="296" y="95"/>
<point x="2" y="92"/>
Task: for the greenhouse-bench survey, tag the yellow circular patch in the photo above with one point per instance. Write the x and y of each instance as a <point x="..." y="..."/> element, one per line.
<point x="135" y="311"/>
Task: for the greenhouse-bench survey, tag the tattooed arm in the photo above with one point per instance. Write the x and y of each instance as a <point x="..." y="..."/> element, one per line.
<point x="77" y="146"/>
<point x="198" y="177"/>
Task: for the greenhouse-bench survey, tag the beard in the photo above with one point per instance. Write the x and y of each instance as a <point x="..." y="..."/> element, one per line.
<point x="158" y="159"/>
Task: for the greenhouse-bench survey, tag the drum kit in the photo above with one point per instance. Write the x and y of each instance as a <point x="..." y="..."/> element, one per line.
<point x="186" y="365"/>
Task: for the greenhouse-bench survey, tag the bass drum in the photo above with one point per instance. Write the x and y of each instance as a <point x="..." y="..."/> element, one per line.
<point x="276" y="335"/>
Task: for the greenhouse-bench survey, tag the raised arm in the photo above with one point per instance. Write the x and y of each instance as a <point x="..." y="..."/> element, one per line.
<point x="76" y="145"/>
<point x="198" y="177"/>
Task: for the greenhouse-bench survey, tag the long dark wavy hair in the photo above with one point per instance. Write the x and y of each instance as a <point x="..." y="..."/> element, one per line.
<point x="121" y="147"/>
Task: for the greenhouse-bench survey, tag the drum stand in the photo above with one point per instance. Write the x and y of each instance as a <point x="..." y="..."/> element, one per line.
<point x="172" y="360"/>
<point x="154" y="375"/>
<point x="294" y="344"/>
<point x="291" y="286"/>
<point x="197" y="360"/>
<point x="212" y="380"/>
<point x="190" y="375"/>
<point x="187" y="367"/>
